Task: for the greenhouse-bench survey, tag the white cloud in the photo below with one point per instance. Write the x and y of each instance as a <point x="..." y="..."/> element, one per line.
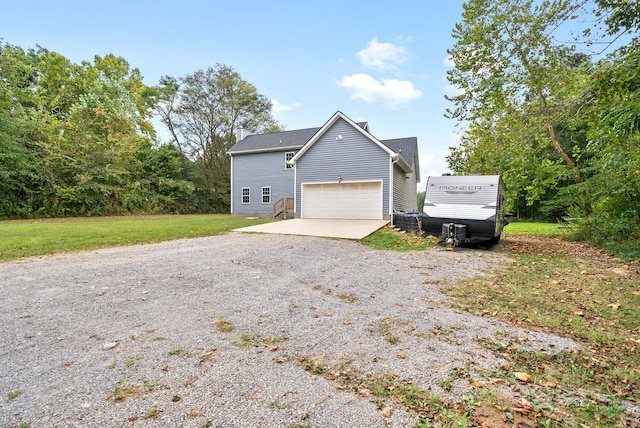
<point x="453" y="90"/>
<point x="433" y="164"/>
<point x="448" y="61"/>
<point x="276" y="107"/>
<point x="382" y="56"/>
<point x="392" y="91"/>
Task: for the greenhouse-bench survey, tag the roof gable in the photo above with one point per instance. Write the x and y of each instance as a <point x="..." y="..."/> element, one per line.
<point x="339" y="115"/>
<point x="277" y="141"/>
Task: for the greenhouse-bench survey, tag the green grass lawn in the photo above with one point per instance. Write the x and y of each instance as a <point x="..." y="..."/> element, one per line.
<point x="23" y="238"/>
<point x="542" y="229"/>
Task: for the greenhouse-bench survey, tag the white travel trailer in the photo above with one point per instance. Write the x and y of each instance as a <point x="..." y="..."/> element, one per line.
<point x="464" y="209"/>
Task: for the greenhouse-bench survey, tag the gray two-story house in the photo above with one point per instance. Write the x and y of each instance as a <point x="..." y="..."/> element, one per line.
<point x="337" y="171"/>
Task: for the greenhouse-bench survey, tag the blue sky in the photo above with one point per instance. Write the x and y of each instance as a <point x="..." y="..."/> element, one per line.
<point x="381" y="62"/>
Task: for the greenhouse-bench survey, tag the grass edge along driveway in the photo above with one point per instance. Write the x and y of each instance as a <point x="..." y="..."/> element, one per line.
<point x="26" y="238"/>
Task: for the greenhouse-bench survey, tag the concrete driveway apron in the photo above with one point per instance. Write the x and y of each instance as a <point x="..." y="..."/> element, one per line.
<point x="328" y="228"/>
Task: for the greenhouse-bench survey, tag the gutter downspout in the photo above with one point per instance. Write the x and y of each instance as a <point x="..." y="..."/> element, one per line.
<point x="394" y="160"/>
<point x="231" y="187"/>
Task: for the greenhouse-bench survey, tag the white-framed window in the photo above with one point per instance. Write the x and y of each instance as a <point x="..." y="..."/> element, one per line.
<point x="266" y="195"/>
<point x="287" y="157"/>
<point x="246" y="195"/>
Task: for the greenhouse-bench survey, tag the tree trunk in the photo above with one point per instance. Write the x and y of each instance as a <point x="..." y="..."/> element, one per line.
<point x="554" y="140"/>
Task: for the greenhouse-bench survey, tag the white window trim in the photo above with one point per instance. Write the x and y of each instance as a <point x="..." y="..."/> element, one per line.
<point x="248" y="195"/>
<point x="269" y="195"/>
<point x="286" y="161"/>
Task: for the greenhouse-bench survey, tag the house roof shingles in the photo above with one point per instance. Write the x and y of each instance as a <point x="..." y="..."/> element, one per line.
<point x="295" y="139"/>
<point x="405" y="147"/>
<point x="273" y="141"/>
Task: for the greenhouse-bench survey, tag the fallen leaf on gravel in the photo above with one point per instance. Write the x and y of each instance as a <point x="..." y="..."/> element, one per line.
<point x="523" y="407"/>
<point x="523" y="377"/>
<point x="523" y="425"/>
<point x="165" y="369"/>
<point x="176" y="398"/>
<point x="304" y="416"/>
<point x="386" y="412"/>
<point x="365" y="392"/>
<point x="67" y="364"/>
<point x="402" y="356"/>
<point x="191" y="380"/>
<point x="133" y="419"/>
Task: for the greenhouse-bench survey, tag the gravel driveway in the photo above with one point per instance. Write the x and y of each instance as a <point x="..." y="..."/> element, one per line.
<point x="211" y="331"/>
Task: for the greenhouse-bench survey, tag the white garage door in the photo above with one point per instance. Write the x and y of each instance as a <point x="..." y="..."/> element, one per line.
<point x="361" y="200"/>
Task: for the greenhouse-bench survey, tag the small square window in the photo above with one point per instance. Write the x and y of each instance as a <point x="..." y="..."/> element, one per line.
<point x="266" y="195"/>
<point x="287" y="157"/>
<point x="246" y="195"/>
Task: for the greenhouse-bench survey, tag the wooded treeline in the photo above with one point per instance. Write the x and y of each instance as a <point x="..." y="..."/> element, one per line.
<point x="548" y="95"/>
<point x="78" y="139"/>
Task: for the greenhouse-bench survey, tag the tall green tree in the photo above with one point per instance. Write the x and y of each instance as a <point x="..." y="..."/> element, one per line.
<point x="202" y="112"/>
<point x="75" y="139"/>
<point x="24" y="134"/>
<point x="612" y="112"/>
<point x="100" y="144"/>
<point x="515" y="86"/>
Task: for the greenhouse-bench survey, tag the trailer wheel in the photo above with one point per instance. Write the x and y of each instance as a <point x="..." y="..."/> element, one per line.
<point x="495" y="240"/>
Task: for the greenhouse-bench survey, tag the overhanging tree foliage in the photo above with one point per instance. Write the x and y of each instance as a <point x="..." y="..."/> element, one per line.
<point x="614" y="136"/>
<point x="561" y="127"/>
<point x="515" y="86"/>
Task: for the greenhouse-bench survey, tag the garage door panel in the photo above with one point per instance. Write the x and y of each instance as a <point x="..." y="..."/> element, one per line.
<point x="362" y="200"/>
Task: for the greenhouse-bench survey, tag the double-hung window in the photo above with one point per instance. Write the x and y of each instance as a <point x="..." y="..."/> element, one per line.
<point x="246" y="195"/>
<point x="266" y="195"/>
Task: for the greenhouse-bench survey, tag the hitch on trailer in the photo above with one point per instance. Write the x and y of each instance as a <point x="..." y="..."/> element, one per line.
<point x="452" y="234"/>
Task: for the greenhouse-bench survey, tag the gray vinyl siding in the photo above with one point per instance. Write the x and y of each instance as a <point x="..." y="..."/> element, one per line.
<point x="353" y="158"/>
<point x="412" y="191"/>
<point x="258" y="170"/>
<point x="404" y="190"/>
<point x="399" y="189"/>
